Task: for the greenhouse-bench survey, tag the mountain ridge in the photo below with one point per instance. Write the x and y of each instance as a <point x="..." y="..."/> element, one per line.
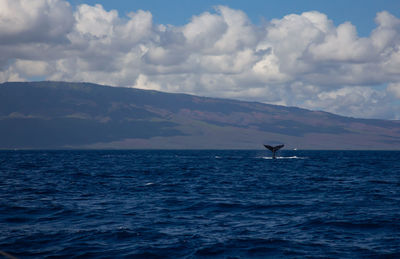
<point x="58" y="115"/>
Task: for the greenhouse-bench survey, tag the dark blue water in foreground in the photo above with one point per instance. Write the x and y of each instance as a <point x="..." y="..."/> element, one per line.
<point x="200" y="204"/>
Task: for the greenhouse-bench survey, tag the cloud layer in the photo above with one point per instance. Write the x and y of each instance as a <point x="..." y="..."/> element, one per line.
<point x="299" y="60"/>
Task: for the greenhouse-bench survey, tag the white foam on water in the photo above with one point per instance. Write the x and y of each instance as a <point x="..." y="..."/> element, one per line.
<point x="147" y="184"/>
<point x="294" y="157"/>
<point x="284" y="157"/>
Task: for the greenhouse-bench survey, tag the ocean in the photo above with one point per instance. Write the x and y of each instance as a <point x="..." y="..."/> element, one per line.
<point x="200" y="204"/>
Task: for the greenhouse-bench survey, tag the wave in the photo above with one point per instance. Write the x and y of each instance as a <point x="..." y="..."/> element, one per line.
<point x="237" y="204"/>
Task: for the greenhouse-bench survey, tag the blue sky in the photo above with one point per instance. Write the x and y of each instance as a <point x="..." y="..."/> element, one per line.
<point x="178" y="12"/>
<point x="337" y="56"/>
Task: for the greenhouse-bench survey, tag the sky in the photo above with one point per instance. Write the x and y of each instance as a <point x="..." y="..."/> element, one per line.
<point x="337" y="56"/>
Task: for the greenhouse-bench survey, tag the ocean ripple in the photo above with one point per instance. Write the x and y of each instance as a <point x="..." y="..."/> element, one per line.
<point x="199" y="204"/>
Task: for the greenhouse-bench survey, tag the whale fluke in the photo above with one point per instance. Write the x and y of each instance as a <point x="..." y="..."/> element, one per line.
<point x="274" y="149"/>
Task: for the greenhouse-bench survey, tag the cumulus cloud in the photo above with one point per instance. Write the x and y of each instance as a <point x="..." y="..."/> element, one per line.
<point x="32" y="68"/>
<point x="352" y="100"/>
<point x="394" y="88"/>
<point x="300" y="59"/>
<point x="95" y="21"/>
<point x="34" y="21"/>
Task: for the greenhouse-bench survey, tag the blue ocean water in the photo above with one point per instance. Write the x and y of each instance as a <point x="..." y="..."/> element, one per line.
<point x="200" y="204"/>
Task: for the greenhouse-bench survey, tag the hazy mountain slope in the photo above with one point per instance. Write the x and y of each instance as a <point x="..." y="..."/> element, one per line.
<point x="82" y="115"/>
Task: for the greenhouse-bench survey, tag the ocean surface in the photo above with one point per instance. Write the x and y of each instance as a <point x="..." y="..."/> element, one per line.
<point x="200" y="204"/>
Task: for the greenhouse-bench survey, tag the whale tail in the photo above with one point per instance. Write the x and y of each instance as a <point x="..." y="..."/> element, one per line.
<point x="274" y="149"/>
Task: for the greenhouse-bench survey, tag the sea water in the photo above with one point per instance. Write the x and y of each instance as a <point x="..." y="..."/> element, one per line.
<point x="200" y="204"/>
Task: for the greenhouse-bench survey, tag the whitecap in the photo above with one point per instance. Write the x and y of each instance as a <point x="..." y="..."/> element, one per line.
<point x="284" y="157"/>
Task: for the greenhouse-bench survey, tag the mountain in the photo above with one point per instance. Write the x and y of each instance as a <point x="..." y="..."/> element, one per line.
<point x="56" y="115"/>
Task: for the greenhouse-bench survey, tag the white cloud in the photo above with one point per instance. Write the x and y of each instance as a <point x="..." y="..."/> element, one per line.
<point x="34" y="21"/>
<point x="386" y="35"/>
<point x="352" y="101"/>
<point x="343" y="44"/>
<point x="394" y="88"/>
<point x="31" y="68"/>
<point x="10" y="75"/>
<point x="204" y="31"/>
<point x="240" y="32"/>
<point x="143" y="82"/>
<point x="301" y="59"/>
<point x="94" y="21"/>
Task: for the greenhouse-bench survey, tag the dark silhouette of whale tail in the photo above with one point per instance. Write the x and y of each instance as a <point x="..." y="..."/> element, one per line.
<point x="274" y="149"/>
